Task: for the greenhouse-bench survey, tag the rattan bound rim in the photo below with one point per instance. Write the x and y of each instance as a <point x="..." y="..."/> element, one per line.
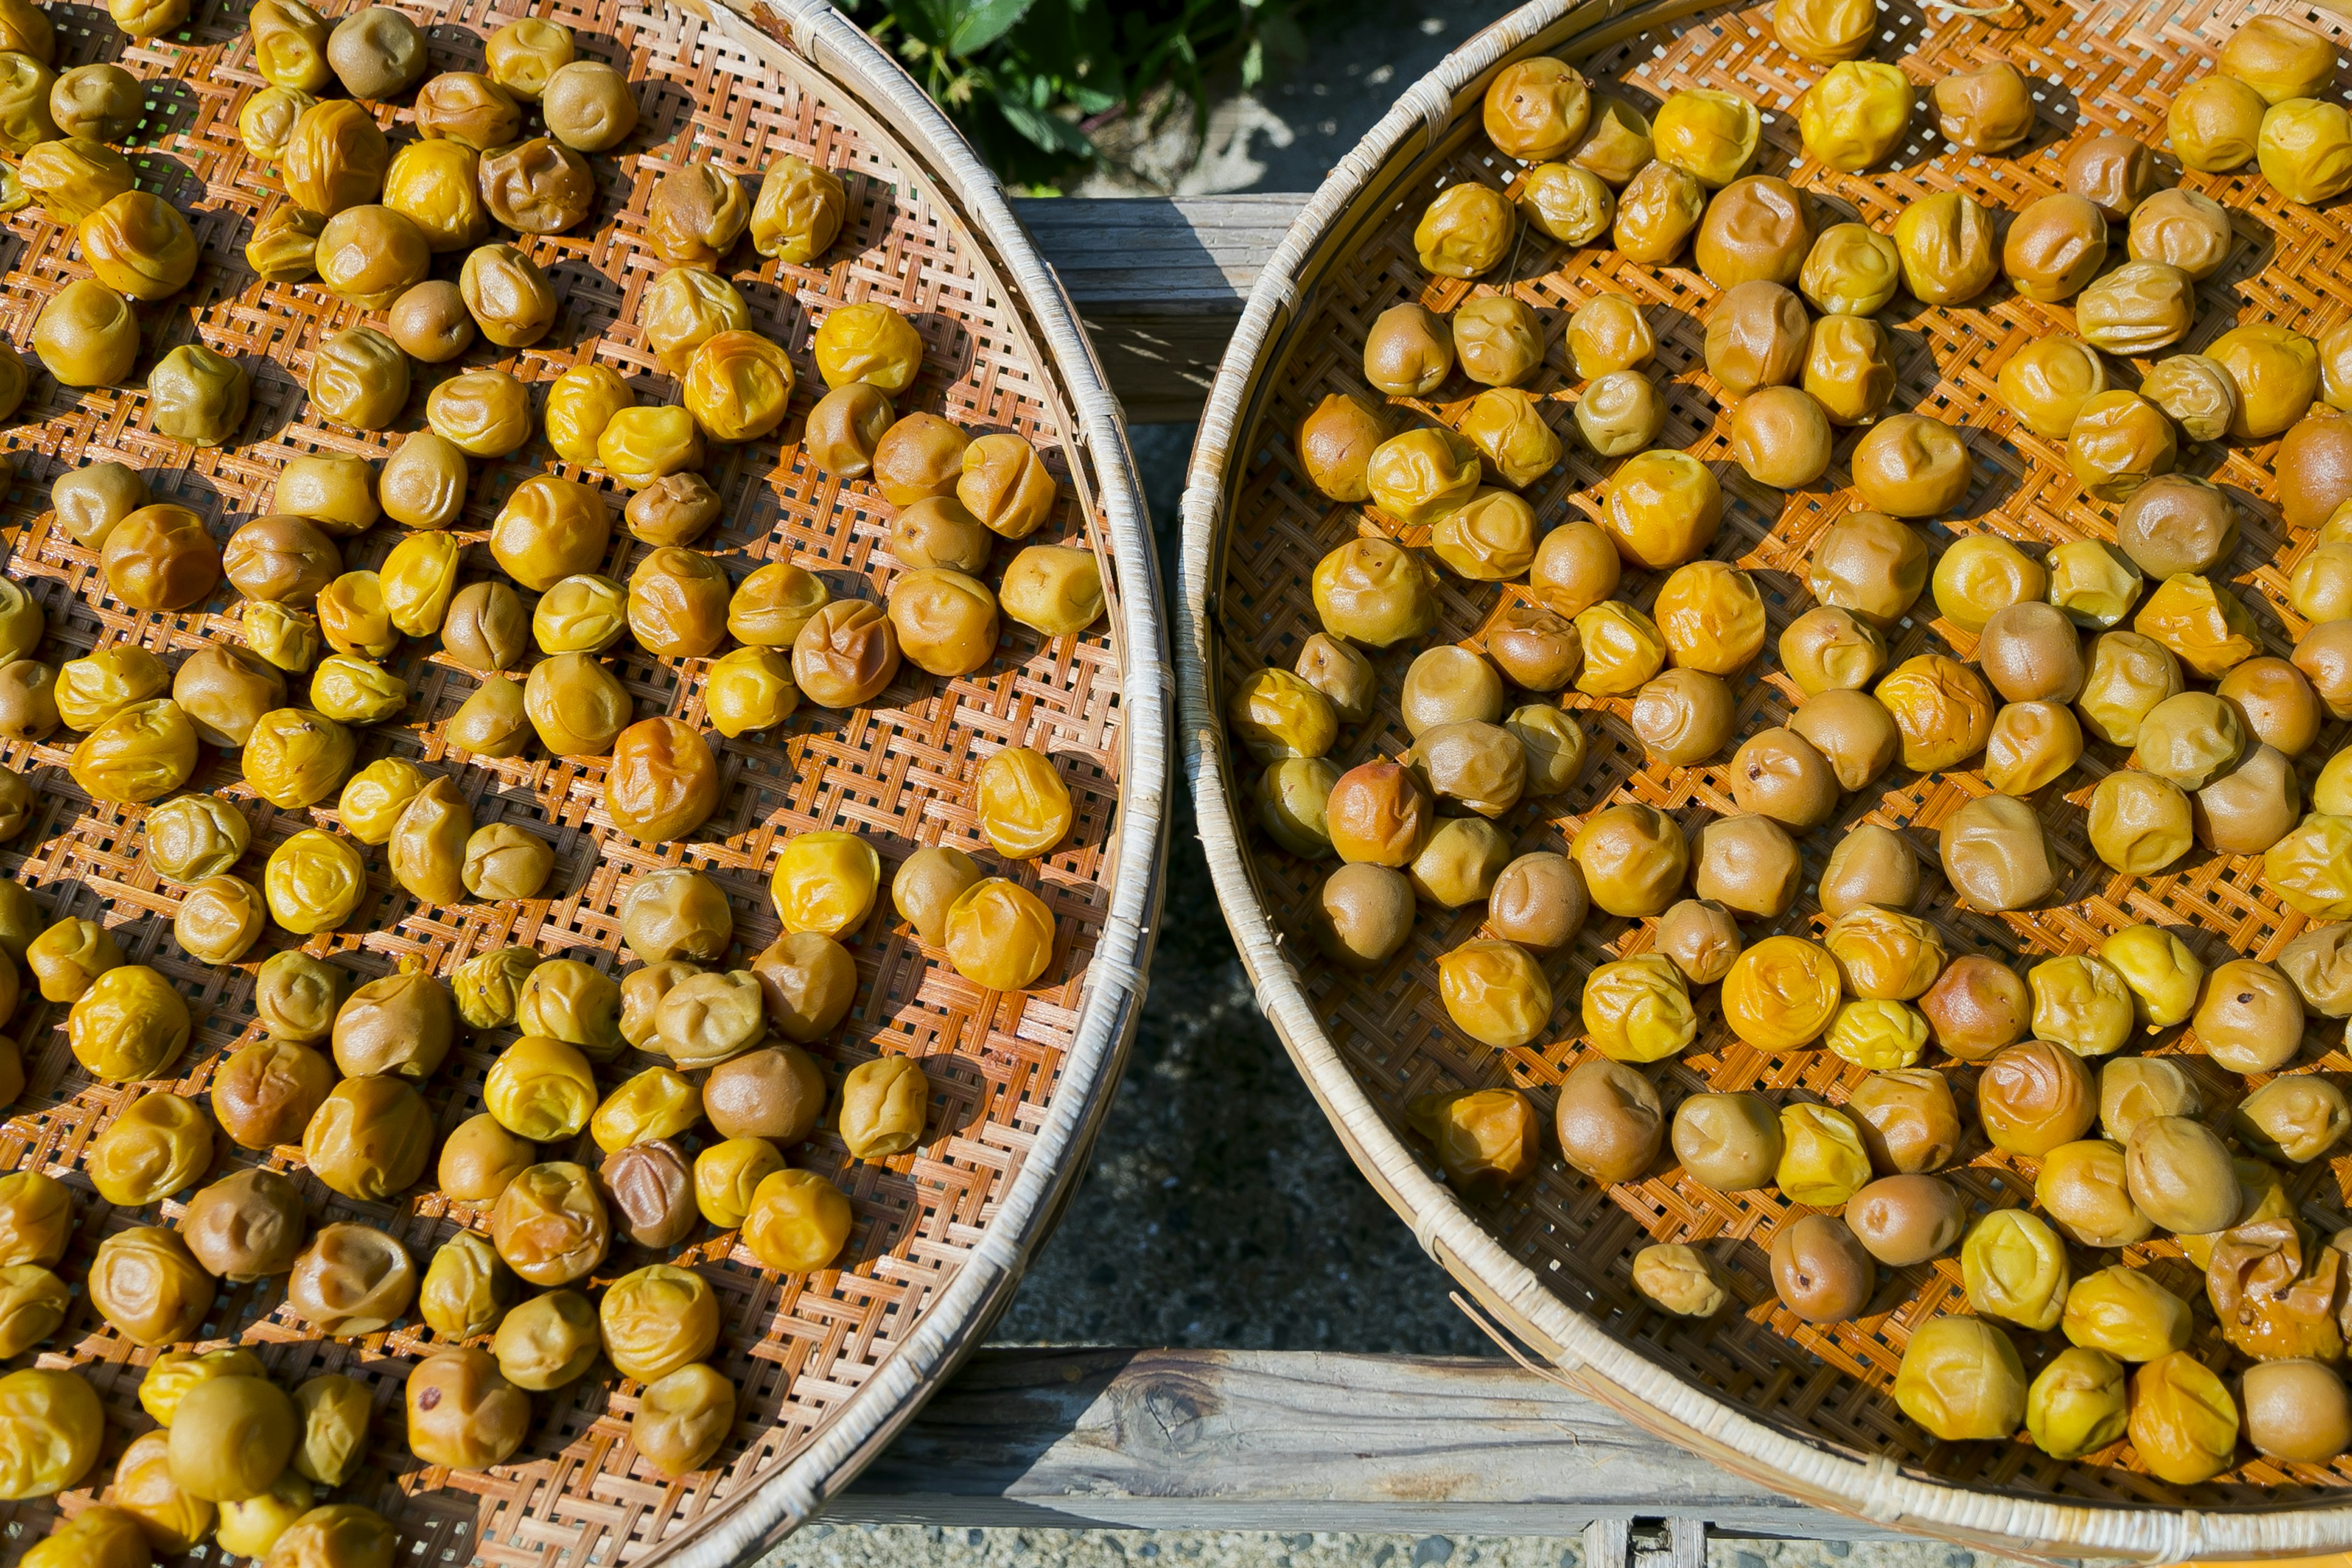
<point x="896" y="113"/>
<point x="1874" y="1488"/>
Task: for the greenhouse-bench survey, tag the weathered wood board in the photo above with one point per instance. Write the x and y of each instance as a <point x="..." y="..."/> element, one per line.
<point x="1276" y="1441"/>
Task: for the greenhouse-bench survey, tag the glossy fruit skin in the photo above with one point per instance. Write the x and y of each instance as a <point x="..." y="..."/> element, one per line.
<point x="146" y="1284"/>
<point x="128" y="1024"/>
<point x="467" y="108"/>
<point x="142" y="753"/>
<point x="199" y="396"/>
<point x="370" y="1138"/>
<point x="2016" y="1268"/>
<point x="54" y="1424"/>
<point x="999" y="935"/>
<point x="151" y="1150"/>
<point x="1465" y="231"/>
<point x="845" y="654"/>
<point x="550" y="1225"/>
<point x="659" y="1319"/>
<point x="868" y="342"/>
<point x="683" y="1419"/>
<point x="1962" y="1378"/>
<point x="824" y="882"/>
<point x="798" y="1223"/>
<point x="737" y="386"/>
<point x="462" y="1413"/>
<point x="657" y="1103"/>
<point x="161" y="557"/>
<point x="482" y="413"/>
<point x="696" y="214"/>
<point x="2295" y="1410"/>
<point x="538" y="187"/>
<point x="2178" y="1174"/>
<point x="2183" y="1423"/>
<point x="230" y="1438"/>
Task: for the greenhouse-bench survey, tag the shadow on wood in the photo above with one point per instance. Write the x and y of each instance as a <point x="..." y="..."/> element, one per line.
<point x="1158" y="284"/>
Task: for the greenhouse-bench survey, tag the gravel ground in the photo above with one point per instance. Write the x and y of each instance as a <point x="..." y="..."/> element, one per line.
<point x="1219" y="1210"/>
<point x="892" y="1545"/>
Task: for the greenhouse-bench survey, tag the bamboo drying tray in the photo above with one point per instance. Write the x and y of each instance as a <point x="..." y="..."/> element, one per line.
<point x="1808" y="1410"/>
<point x="827" y="1365"/>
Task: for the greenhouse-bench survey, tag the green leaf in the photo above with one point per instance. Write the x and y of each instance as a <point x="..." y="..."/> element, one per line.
<point x="1254" y="64"/>
<point x="923" y="22"/>
<point x="1050" y="131"/>
<point x="980" y="23"/>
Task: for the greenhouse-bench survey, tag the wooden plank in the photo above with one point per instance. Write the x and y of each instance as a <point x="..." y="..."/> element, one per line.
<point x="1158" y="284"/>
<point x="1269" y="1440"/>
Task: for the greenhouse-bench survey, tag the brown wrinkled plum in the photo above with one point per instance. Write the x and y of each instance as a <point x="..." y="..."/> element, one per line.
<point x="1685" y="716"/>
<point x="352" y="1281"/>
<point x="2114" y="172"/>
<point x="247" y="1226"/>
<point x="1871" y="865"/>
<point x="2055" y="247"/>
<point x="650" y="1187"/>
<point x="1756" y="227"/>
<point x="1995" y="854"/>
<point x="845" y="654"/>
<point x="1756" y="337"/>
<point x="1869" y="563"/>
<point x="1910" y="464"/>
<point x="1985" y="109"/>
<point x="538" y="187"/>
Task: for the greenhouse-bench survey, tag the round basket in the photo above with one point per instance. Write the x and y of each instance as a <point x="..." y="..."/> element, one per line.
<point x="1807" y="1410"/>
<point x="827" y="1365"/>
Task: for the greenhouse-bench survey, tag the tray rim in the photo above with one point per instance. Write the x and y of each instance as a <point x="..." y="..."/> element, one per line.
<point x="931" y="152"/>
<point x="1871" y="1486"/>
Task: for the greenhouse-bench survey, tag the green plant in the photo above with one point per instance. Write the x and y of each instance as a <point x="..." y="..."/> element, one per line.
<point x="1028" y="80"/>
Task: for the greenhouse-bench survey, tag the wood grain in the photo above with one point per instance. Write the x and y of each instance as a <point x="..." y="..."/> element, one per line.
<point x="1276" y="1441"/>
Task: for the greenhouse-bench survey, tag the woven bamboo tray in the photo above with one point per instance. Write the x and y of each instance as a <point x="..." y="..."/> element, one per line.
<point x="827" y="1365"/>
<point x="1808" y="1410"/>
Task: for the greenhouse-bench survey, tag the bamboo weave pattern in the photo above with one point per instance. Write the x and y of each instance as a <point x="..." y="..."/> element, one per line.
<point x="2101" y="68"/>
<point x="897" y="771"/>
